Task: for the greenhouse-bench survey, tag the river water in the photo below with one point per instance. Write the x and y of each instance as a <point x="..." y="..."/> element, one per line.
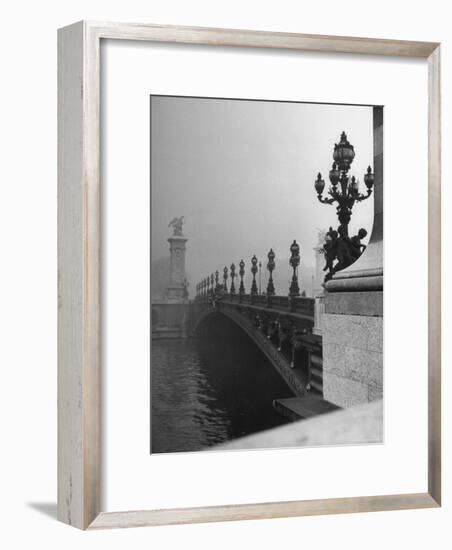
<point x="211" y="389"/>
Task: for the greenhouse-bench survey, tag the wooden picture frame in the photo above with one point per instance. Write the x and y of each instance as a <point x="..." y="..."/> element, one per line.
<point x="79" y="432"/>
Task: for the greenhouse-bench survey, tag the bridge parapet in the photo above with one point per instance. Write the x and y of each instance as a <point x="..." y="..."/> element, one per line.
<point x="298" y="305"/>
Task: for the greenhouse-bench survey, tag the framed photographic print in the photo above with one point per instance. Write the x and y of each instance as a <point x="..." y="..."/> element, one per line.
<point x="239" y="304"/>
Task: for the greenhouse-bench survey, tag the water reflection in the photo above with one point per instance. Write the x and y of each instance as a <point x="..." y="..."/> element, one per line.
<point x="211" y="389"/>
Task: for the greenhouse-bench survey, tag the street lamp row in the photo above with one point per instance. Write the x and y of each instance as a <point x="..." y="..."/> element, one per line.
<point x="339" y="247"/>
<point x="211" y="284"/>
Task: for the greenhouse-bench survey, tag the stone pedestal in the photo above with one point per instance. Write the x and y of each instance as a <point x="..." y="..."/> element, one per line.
<point x="170" y="320"/>
<point x="352" y="324"/>
<point x="176" y="292"/>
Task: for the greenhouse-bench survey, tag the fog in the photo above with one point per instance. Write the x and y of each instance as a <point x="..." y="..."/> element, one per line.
<point x="242" y="174"/>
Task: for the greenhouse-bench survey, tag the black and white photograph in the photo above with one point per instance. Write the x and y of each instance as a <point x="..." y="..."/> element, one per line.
<point x="266" y="274"/>
<point x="226" y="275"/>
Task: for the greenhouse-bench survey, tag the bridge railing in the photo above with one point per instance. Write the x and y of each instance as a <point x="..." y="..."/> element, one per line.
<point x="297" y="305"/>
<point x="282" y="302"/>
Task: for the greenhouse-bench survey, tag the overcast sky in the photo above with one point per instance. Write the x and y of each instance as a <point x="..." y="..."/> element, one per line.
<point x="242" y="173"/>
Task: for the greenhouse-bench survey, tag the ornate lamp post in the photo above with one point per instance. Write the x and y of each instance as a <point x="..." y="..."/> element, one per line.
<point x="225" y="279"/>
<point x="241" y="273"/>
<point x="294" y="261"/>
<point x="271" y="267"/>
<point x="344" y="190"/>
<point x="233" y="275"/>
<point x="254" y="271"/>
<point x="217" y="280"/>
<point x="260" y="277"/>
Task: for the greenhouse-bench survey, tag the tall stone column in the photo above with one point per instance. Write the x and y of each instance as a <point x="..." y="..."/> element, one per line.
<point x="170" y="317"/>
<point x="352" y="324"/>
<point x="176" y="292"/>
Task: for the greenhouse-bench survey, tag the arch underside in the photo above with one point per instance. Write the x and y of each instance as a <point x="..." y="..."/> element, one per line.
<point x="293" y="379"/>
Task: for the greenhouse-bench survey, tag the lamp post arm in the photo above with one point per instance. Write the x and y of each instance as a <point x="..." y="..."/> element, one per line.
<point x="362" y="197"/>
<point x="325" y="200"/>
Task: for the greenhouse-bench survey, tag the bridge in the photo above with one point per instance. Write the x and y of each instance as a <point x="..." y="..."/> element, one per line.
<point x="338" y="362"/>
<point x="280" y="326"/>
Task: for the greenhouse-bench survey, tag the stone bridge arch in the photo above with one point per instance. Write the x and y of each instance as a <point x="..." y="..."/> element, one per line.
<point x="292" y="378"/>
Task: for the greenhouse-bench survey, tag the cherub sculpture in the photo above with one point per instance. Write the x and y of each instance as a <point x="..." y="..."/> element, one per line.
<point x="357" y="248"/>
<point x="341" y="249"/>
<point x="176" y="224"/>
